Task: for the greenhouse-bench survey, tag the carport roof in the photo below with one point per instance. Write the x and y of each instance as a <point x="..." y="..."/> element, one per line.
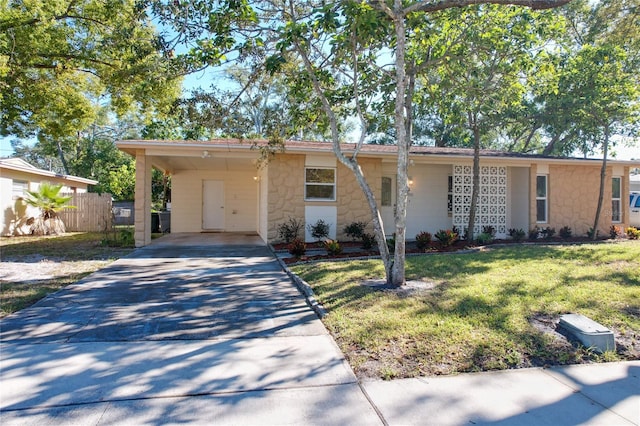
<point x="245" y="146"/>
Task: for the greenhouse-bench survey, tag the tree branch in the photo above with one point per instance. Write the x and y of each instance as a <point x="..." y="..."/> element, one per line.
<point x="434" y="6"/>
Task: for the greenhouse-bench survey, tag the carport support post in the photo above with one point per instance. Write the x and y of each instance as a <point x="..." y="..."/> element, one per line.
<point x="143" y="199"/>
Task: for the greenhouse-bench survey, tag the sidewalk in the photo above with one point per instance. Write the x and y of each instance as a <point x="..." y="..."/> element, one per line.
<point x="603" y="394"/>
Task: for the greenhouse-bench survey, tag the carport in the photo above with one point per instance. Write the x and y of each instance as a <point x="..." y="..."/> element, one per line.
<point x="216" y="186"/>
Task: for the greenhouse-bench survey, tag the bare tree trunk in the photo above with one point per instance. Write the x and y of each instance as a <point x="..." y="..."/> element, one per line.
<point x="352" y="164"/>
<point x="603" y="175"/>
<point x="62" y="159"/>
<point x="398" y="273"/>
<point x="473" y="120"/>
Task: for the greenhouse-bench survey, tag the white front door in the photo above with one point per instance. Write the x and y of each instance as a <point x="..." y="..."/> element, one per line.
<point x="213" y="204"/>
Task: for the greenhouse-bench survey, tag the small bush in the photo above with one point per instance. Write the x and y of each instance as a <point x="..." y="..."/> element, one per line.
<point x="446" y="237"/>
<point x="484" y="238"/>
<point x="517" y="234"/>
<point x="290" y="230"/>
<point x="423" y="239"/>
<point x="633" y="233"/>
<point x="591" y="232"/>
<point x="615" y="232"/>
<point x="548" y="232"/>
<point x="488" y="229"/>
<point x="124" y="238"/>
<point x="355" y="230"/>
<point x="391" y="244"/>
<point x="462" y="234"/>
<point x="368" y="241"/>
<point x="319" y="230"/>
<point x="333" y="247"/>
<point x="565" y="232"/>
<point x="297" y="247"/>
<point x="534" y="233"/>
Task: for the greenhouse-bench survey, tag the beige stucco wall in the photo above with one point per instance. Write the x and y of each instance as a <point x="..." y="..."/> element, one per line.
<point x="240" y="199"/>
<point x="573" y="198"/>
<point x="427" y="208"/>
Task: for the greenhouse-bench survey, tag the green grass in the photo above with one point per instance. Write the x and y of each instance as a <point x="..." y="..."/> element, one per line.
<point x="74" y="255"/>
<point x="478" y="315"/>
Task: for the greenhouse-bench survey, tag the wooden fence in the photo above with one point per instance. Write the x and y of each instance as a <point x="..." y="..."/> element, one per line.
<point x="93" y="213"/>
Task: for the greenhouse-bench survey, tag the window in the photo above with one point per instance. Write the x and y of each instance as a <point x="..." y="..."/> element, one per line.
<point x="320" y="184"/>
<point x="450" y="195"/>
<point x="19" y="189"/>
<point x="385" y="197"/>
<point x="616" y="201"/>
<point x="541" y="199"/>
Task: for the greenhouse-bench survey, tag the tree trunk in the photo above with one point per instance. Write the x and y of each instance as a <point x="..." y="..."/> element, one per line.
<point x="62" y="159"/>
<point x="398" y="272"/>
<point x="476" y="178"/>
<point x="352" y="164"/>
<point x="603" y="175"/>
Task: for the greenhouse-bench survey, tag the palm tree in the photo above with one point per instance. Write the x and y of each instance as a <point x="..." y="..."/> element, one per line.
<point x="48" y="199"/>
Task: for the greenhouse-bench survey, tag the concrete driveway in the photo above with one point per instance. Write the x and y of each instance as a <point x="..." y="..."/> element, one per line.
<point x="197" y="328"/>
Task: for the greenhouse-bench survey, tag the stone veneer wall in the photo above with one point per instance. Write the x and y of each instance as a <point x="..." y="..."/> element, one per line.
<point x="352" y="204"/>
<point x="286" y="193"/>
<point x="573" y="198"/>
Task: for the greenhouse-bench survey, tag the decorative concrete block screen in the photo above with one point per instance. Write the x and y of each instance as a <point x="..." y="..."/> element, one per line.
<point x="492" y="200"/>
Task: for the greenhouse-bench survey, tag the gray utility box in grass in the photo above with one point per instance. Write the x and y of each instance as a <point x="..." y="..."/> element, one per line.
<point x="590" y="333"/>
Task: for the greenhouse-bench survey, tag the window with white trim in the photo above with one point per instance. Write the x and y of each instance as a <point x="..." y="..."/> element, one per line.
<point x="616" y="199"/>
<point x="319" y="184"/>
<point x="450" y="195"/>
<point x="542" y="190"/>
<point x="19" y="189"/>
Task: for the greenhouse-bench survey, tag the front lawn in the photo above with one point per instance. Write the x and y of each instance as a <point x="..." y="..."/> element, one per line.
<point x="32" y="267"/>
<point x="493" y="309"/>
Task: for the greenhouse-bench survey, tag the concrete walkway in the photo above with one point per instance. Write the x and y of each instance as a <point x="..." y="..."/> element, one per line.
<point x="207" y="328"/>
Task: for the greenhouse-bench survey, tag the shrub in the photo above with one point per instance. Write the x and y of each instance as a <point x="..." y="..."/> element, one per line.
<point x="591" y="232"/>
<point x="484" y="238"/>
<point x="462" y="234"/>
<point x="368" y="241"/>
<point x="446" y="237"/>
<point x="488" y="229"/>
<point x="565" y="232"/>
<point x="548" y="232"/>
<point x="517" y="234"/>
<point x="290" y="230"/>
<point x="534" y="233"/>
<point x="615" y="232"/>
<point x="297" y="247"/>
<point x="423" y="239"/>
<point x="319" y="230"/>
<point x="633" y="233"/>
<point x="332" y="247"/>
<point x="391" y="244"/>
<point x="355" y="230"/>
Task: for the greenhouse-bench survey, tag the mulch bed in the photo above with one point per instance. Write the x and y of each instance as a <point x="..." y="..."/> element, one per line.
<point x="351" y="248"/>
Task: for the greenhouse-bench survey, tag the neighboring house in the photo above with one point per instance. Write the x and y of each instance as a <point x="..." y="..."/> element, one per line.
<point x="16" y="178"/>
<point x="217" y="187"/>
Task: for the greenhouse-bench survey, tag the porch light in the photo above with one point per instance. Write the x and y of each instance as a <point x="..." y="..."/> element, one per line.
<point x="205" y="154"/>
<point x="410" y="181"/>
